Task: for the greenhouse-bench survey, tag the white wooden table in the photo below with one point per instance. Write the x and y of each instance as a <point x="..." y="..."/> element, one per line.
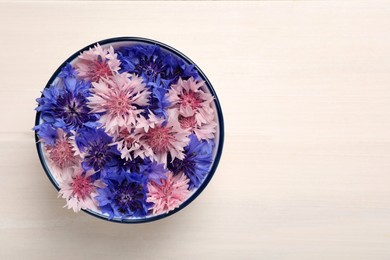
<point x="305" y="91"/>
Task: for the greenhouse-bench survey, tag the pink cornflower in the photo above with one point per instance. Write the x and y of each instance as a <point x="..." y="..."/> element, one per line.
<point x="129" y="145"/>
<point x="172" y="192"/>
<point x="164" y="137"/>
<point x="79" y="190"/>
<point x="190" y="99"/>
<point x="61" y="155"/>
<point x="97" y="63"/>
<point x="118" y="97"/>
<point x="204" y="131"/>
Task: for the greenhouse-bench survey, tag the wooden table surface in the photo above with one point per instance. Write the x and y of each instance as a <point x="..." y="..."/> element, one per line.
<point x="305" y="91"/>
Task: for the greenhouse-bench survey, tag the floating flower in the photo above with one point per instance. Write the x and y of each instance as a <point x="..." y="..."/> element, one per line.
<point x="96" y="149"/>
<point x="190" y="99"/>
<point x="97" y="63"/>
<point x="118" y="98"/>
<point x="197" y="161"/>
<point x="79" y="190"/>
<point x="124" y="196"/>
<point x="165" y="137"/>
<point x="169" y="193"/>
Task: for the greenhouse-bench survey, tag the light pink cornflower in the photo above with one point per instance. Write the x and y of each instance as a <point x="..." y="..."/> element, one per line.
<point x="97" y="63"/>
<point x="164" y="137"/>
<point x="127" y="142"/>
<point x="60" y="156"/>
<point x="204" y="131"/>
<point x="190" y="99"/>
<point x="172" y="192"/>
<point x="117" y="98"/>
<point x="151" y="122"/>
<point x="79" y="190"/>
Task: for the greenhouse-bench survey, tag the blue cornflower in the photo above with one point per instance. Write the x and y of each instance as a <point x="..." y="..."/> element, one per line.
<point x="95" y="144"/>
<point x="187" y="71"/>
<point x="67" y="72"/>
<point x="197" y="161"/>
<point x="145" y="60"/>
<point x="124" y="165"/>
<point x="46" y="132"/>
<point x="64" y="103"/>
<point x="150" y="170"/>
<point x="150" y="62"/>
<point x="158" y="100"/>
<point x="178" y="68"/>
<point x="124" y="196"/>
<point x="153" y="171"/>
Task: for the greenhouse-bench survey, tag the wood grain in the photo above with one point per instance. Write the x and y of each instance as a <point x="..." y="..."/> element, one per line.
<point x="305" y="91"/>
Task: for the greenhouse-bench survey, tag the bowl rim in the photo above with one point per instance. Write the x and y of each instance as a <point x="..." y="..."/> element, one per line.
<point x="220" y="122"/>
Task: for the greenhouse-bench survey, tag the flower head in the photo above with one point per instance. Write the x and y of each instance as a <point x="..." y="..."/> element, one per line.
<point x="64" y="104"/>
<point x="67" y="72"/>
<point x="178" y="68"/>
<point x="187" y="71"/>
<point x="153" y="171"/>
<point x="61" y="153"/>
<point x="129" y="145"/>
<point x="58" y="150"/>
<point x="96" y="151"/>
<point x="169" y="193"/>
<point x="133" y="165"/>
<point x="147" y="61"/>
<point x="124" y="196"/>
<point x="46" y="133"/>
<point x="97" y="63"/>
<point x="164" y="137"/>
<point x="204" y="131"/>
<point x="118" y="98"/>
<point x="71" y="104"/>
<point x="79" y="190"/>
<point x="151" y="62"/>
<point x="158" y="100"/>
<point x="190" y="99"/>
<point x="196" y="163"/>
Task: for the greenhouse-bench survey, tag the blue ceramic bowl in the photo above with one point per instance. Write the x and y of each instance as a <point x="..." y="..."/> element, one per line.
<point x="120" y="41"/>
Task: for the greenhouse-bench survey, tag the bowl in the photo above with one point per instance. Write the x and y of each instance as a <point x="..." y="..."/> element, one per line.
<point x="129" y="130"/>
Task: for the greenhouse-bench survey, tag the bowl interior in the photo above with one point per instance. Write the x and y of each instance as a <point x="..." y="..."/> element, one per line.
<point x="129" y="41"/>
